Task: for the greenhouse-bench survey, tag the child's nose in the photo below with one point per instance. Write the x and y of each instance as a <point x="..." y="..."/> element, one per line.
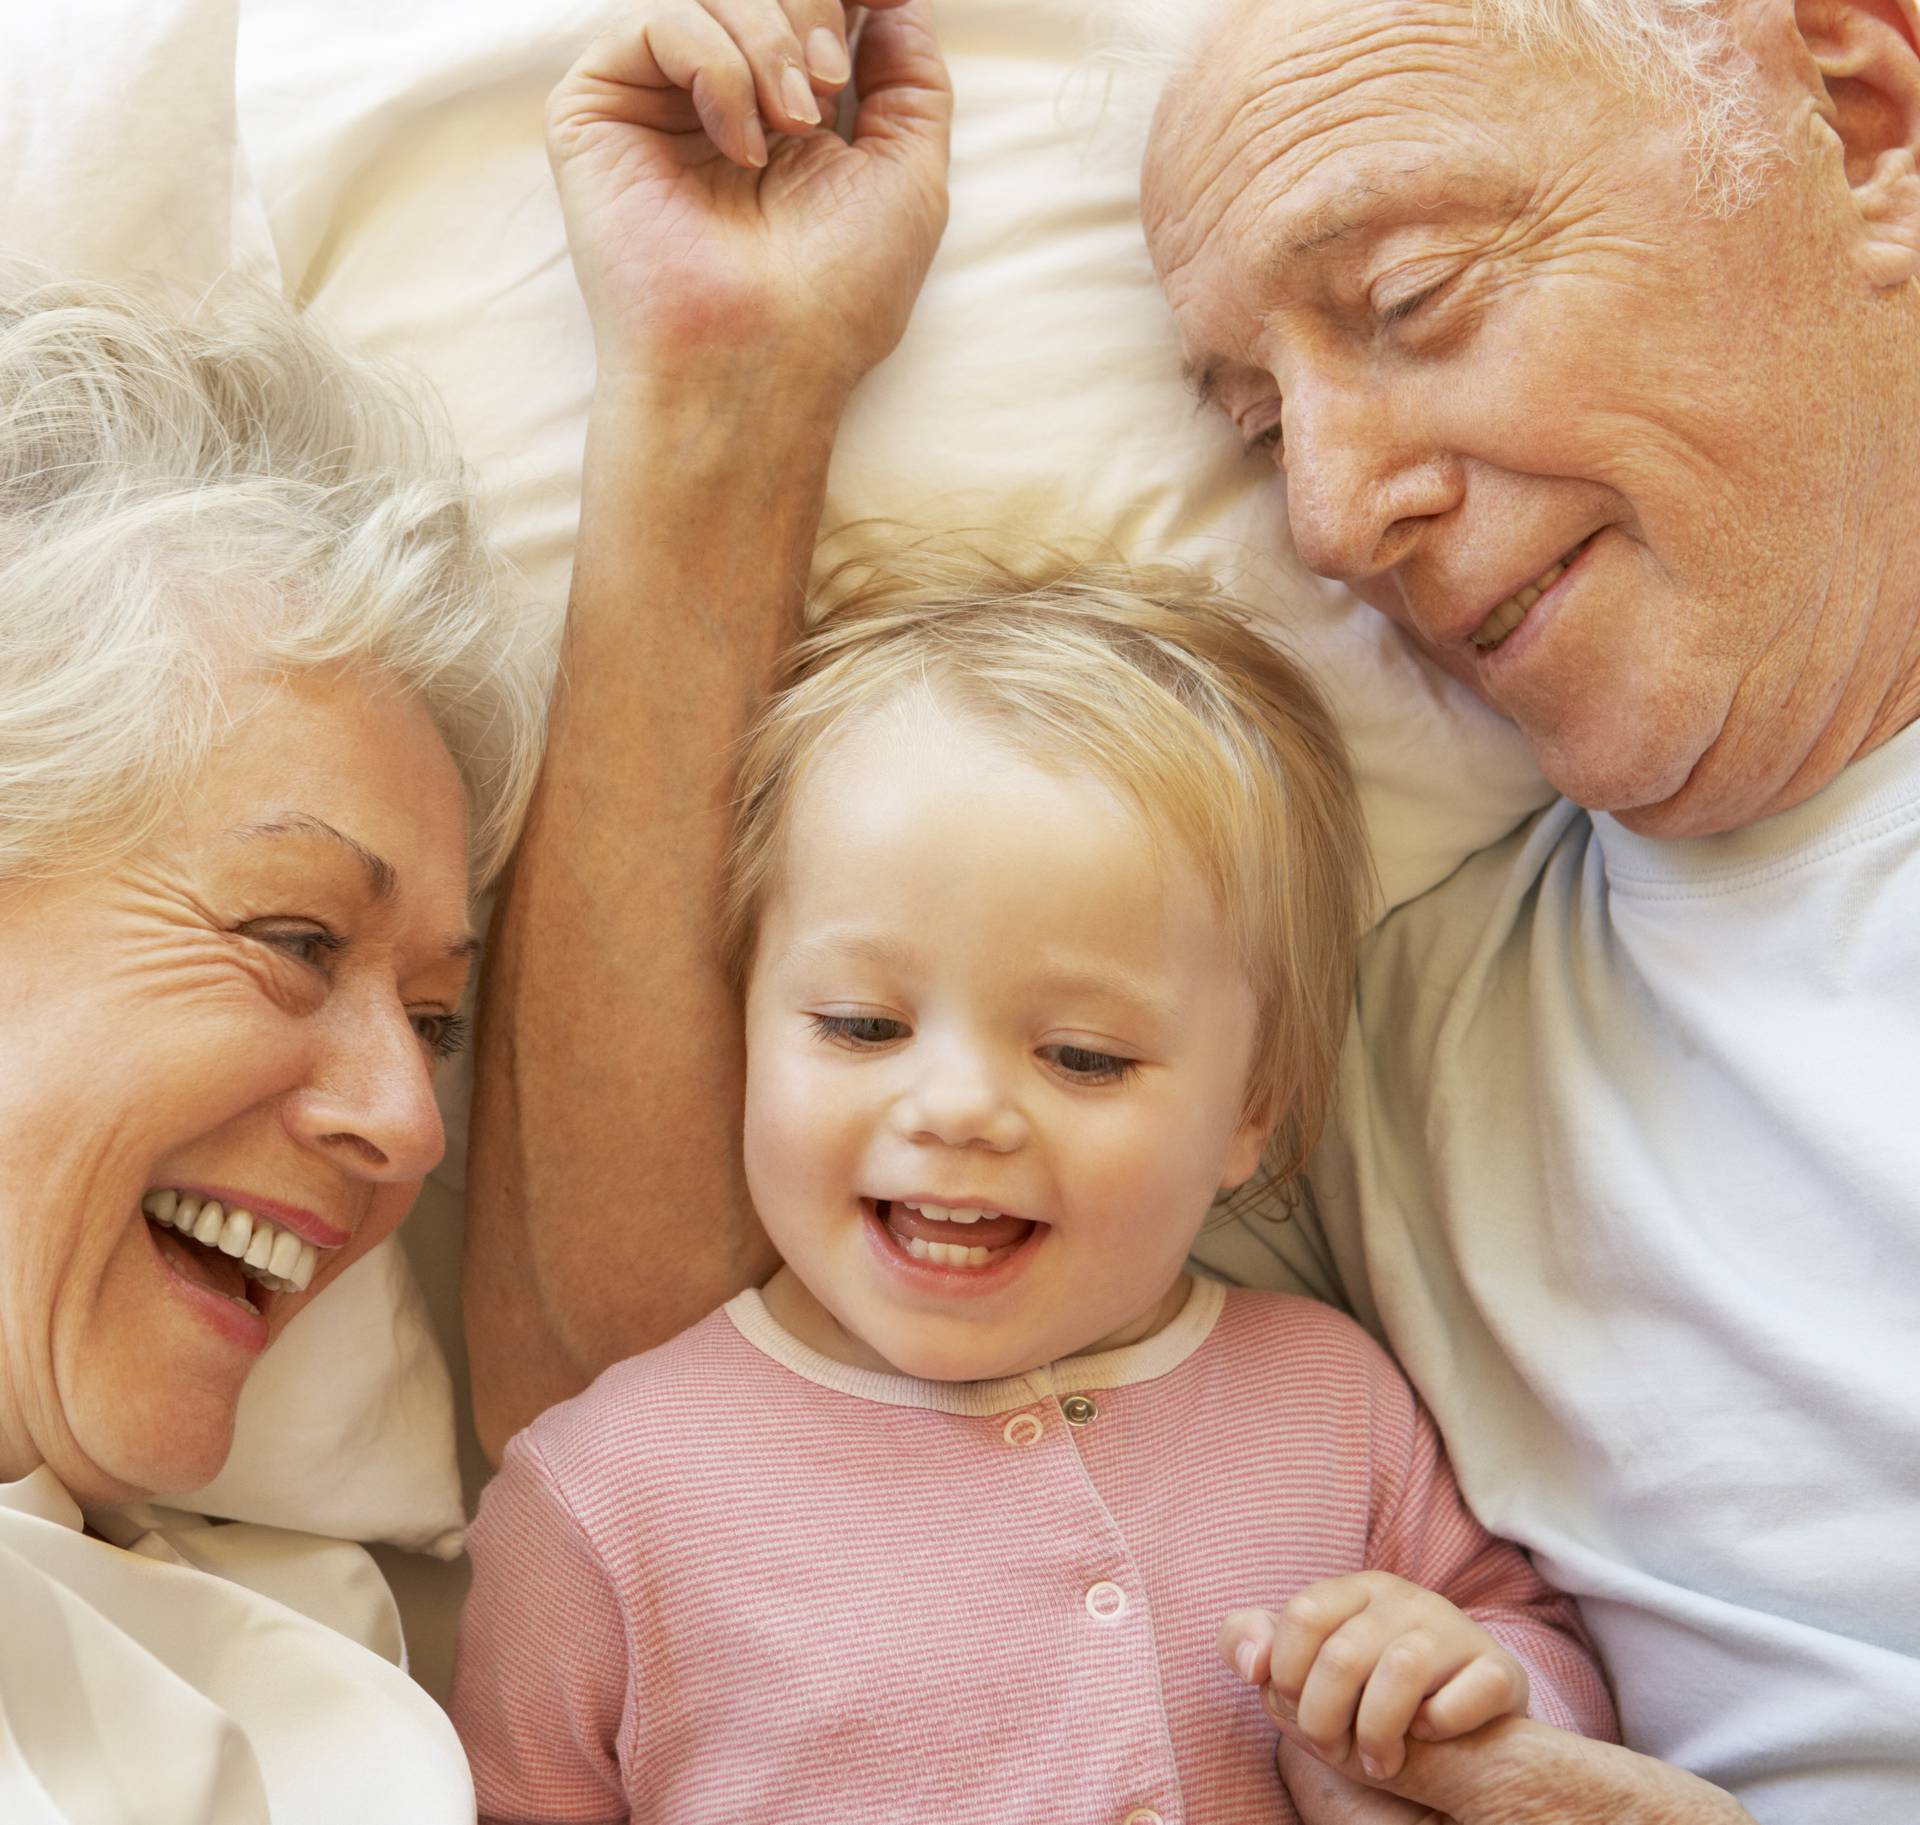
<point x="959" y="1101"/>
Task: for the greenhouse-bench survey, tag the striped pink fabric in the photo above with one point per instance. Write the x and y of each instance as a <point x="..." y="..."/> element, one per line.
<point x="734" y="1582"/>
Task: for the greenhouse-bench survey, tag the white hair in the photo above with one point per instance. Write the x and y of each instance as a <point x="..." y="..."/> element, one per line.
<point x="188" y="495"/>
<point x="1683" y="56"/>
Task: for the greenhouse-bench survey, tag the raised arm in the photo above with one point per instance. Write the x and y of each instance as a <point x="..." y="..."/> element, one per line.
<point x="742" y="274"/>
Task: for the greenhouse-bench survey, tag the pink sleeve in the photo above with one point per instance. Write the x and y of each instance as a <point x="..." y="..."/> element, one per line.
<point x="540" y="1684"/>
<point x="1423" y="1531"/>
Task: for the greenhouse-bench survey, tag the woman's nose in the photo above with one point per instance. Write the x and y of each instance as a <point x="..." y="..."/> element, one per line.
<point x="958" y="1100"/>
<point x="371" y="1107"/>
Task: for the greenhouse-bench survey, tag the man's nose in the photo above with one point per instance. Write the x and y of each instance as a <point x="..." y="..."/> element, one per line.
<point x="958" y="1098"/>
<point x="1363" y="485"/>
<point x="371" y="1107"/>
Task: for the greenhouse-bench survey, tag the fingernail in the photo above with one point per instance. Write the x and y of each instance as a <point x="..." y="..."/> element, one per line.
<point x="796" y="93"/>
<point x="1246" y="1660"/>
<point x="756" y="140"/>
<point x="827" y="56"/>
<point x="1374" y="1769"/>
<point x="1280" y="1705"/>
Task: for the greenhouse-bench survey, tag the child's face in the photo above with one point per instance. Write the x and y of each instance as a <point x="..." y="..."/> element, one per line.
<point x="979" y="987"/>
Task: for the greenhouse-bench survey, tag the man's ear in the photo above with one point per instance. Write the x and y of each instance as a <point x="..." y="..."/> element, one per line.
<point x="1868" y="55"/>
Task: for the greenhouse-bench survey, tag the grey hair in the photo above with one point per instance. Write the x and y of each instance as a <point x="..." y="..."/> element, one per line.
<point x="188" y="494"/>
<point x="1682" y="56"/>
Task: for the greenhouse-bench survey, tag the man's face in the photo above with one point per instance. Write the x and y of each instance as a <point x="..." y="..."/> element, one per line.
<point x="1616" y="463"/>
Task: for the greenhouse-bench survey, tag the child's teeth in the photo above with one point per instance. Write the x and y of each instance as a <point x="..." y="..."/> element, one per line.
<point x="947" y="1254"/>
<point x="938" y="1213"/>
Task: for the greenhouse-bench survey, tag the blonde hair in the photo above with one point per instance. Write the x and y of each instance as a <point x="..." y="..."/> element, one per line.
<point x="190" y="494"/>
<point x="1151" y="681"/>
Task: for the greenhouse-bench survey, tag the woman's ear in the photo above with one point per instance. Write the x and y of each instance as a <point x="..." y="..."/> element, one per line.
<point x="1868" y="55"/>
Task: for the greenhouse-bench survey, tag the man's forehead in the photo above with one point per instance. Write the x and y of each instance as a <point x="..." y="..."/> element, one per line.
<point x="1282" y="87"/>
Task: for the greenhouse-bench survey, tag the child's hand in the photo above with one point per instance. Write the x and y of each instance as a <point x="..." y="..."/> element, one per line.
<point x="1374" y="1659"/>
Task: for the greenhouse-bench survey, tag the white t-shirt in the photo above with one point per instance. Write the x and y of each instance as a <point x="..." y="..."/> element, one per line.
<point x="1628" y="1175"/>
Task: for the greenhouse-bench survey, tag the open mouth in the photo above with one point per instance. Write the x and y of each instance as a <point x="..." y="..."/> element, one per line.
<point x="968" y="1239"/>
<point x="1510" y="613"/>
<point x="231" y="1252"/>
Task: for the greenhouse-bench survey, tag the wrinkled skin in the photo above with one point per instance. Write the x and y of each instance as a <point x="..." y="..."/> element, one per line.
<point x="237" y="1005"/>
<point x="1475" y="306"/>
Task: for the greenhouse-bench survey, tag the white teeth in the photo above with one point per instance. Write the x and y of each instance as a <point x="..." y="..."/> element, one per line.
<point x="947" y="1254"/>
<point x="940" y="1214"/>
<point x="276" y="1258"/>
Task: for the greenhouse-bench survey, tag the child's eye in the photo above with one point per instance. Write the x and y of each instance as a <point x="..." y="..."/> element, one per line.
<point x="858" y="1030"/>
<point x="1086" y="1066"/>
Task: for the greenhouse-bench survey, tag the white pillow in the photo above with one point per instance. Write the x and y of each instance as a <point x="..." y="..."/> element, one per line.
<point x="119" y="157"/>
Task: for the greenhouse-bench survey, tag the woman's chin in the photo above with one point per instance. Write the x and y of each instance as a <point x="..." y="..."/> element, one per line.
<point x="149" y="1442"/>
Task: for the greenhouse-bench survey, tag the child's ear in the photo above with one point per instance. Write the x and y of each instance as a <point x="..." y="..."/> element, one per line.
<point x="1249" y="1145"/>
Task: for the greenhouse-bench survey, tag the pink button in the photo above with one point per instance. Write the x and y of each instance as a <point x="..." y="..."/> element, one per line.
<point x="1143" y="1815"/>
<point x="1022" y="1429"/>
<point x="1106" y="1602"/>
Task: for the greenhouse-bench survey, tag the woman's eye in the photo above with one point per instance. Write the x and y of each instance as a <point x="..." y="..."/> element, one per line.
<point x="859" y="1030"/>
<point x="309" y="944"/>
<point x="1084" y="1065"/>
<point x="442" y="1034"/>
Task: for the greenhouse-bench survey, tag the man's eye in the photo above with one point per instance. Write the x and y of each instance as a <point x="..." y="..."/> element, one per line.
<point x="1269" y="442"/>
<point x="1084" y="1065"/>
<point x="858" y="1030"/>
<point x="1402" y="308"/>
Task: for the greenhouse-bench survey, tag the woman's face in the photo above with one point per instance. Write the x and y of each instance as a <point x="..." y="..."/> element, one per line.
<point x="247" y="1012"/>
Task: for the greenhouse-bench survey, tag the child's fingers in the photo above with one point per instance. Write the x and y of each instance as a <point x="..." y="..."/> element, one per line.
<point x="1331" y="1696"/>
<point x="1410" y="1667"/>
<point x="1303" y="1626"/>
<point x="1488" y="1686"/>
<point x="1246" y="1644"/>
<point x="766" y="38"/>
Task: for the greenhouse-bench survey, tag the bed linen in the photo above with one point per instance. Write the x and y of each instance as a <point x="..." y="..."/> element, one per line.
<point x="179" y="1673"/>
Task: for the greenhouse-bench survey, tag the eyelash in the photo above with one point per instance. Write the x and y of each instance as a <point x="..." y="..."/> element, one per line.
<point x="1097" y="1068"/>
<point x="1405" y="307"/>
<point x="448" y="1035"/>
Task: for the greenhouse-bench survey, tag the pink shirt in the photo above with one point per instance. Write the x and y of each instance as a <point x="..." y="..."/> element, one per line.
<point x="736" y="1582"/>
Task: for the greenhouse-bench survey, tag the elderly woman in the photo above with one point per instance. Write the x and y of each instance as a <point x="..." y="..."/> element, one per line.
<point x="264" y="725"/>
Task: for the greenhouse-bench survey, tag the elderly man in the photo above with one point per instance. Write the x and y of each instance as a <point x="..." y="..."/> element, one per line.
<point x="1586" y="333"/>
<point x="1595" y="364"/>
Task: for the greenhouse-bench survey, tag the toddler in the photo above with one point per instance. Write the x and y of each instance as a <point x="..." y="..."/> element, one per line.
<point x="1043" y="896"/>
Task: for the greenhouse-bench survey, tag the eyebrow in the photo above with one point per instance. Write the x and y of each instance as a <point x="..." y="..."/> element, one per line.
<point x="383" y="879"/>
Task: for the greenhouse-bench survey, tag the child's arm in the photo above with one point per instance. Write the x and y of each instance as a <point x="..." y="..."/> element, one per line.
<point x="540" y="1682"/>
<point x="1446" y="1629"/>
